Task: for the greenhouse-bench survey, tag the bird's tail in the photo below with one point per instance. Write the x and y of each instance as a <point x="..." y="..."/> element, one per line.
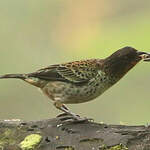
<point x="27" y="78"/>
<point x="17" y="76"/>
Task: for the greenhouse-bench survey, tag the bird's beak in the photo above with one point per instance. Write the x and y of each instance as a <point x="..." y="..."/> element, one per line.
<point x="144" y="55"/>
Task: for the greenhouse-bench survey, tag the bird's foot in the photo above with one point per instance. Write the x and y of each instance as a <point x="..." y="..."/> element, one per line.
<point x="68" y="115"/>
<point x="65" y="114"/>
<point x="73" y="119"/>
<point x="84" y="119"/>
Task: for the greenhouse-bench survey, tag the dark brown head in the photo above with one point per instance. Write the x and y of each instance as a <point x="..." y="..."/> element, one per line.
<point x="120" y="62"/>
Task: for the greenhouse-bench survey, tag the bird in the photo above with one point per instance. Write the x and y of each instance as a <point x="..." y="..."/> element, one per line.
<point x="82" y="81"/>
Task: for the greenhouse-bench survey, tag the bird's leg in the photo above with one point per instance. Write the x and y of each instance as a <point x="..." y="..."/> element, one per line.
<point x="59" y="105"/>
<point x="63" y="114"/>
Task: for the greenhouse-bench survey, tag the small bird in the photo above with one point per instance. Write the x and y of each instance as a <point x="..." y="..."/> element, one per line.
<point x="82" y="81"/>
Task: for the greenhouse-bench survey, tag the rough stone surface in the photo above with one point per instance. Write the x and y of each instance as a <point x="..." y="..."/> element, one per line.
<point x="55" y="134"/>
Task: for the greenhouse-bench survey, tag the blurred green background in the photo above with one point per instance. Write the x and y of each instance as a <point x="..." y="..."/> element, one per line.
<point x="35" y="34"/>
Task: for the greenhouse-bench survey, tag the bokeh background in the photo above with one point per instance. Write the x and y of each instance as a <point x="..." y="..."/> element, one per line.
<point x="35" y="34"/>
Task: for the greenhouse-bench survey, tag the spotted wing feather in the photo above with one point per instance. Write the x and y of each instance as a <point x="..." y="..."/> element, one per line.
<point x="75" y="72"/>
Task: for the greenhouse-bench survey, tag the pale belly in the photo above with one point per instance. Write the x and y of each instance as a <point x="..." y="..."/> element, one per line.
<point x="70" y="94"/>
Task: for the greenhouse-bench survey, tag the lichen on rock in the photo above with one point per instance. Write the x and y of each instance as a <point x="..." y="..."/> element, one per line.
<point x="31" y="142"/>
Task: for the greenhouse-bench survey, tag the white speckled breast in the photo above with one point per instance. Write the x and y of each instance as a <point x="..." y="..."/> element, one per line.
<point x="71" y="93"/>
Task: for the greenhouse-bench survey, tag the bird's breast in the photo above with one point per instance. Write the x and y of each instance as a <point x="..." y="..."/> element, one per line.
<point x="72" y="93"/>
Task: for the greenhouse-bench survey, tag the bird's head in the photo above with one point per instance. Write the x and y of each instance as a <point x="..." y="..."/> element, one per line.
<point x="121" y="61"/>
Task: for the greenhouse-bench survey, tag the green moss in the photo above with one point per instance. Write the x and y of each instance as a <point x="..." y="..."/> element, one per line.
<point x="69" y="148"/>
<point x="118" y="147"/>
<point x="6" y="137"/>
<point x="30" y="142"/>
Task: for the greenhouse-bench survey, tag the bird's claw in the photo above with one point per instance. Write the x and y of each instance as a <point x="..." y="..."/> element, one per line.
<point x="61" y="115"/>
<point x="80" y="120"/>
<point x="65" y="114"/>
<point x="73" y="119"/>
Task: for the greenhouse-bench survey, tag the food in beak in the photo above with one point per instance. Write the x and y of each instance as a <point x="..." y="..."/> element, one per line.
<point x="144" y="55"/>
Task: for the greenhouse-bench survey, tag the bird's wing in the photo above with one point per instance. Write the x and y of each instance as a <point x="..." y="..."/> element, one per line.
<point x="75" y="72"/>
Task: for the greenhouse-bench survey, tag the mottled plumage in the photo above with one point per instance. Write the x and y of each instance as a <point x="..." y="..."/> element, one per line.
<point x="76" y="72"/>
<point x="82" y="81"/>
